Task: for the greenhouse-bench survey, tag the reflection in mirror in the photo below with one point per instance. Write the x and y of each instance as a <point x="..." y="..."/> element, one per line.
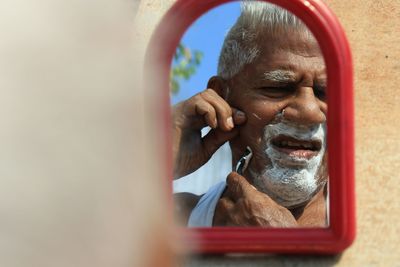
<point x="248" y="87"/>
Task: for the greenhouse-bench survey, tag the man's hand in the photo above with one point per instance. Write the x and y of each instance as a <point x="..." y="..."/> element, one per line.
<point x="243" y="205"/>
<point x="190" y="150"/>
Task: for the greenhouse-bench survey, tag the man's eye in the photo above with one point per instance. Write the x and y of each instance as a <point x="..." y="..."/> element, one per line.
<point x="320" y="92"/>
<point x="276" y="92"/>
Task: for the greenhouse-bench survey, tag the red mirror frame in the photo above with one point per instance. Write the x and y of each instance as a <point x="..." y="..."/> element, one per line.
<point x="334" y="45"/>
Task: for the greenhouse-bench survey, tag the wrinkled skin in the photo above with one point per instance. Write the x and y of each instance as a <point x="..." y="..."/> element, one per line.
<point x="260" y="99"/>
<point x="207" y="108"/>
<point x="303" y="98"/>
<point x="243" y="205"/>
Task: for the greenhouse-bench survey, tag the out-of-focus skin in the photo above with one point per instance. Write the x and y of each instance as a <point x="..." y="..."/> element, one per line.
<point x="78" y="184"/>
<point x="303" y="99"/>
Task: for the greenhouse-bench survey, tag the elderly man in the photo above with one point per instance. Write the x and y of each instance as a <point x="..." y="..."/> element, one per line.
<point x="268" y="101"/>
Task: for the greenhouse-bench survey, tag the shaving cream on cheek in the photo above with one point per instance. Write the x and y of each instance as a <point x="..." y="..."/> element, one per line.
<point x="290" y="180"/>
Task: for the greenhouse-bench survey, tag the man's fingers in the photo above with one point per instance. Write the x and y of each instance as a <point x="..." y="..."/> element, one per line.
<point x="216" y="138"/>
<point x="206" y="110"/>
<point x="215" y="111"/>
<point x="222" y="108"/>
<point x="238" y="186"/>
<point x="225" y="204"/>
<point x="223" y="211"/>
<point x="239" y="117"/>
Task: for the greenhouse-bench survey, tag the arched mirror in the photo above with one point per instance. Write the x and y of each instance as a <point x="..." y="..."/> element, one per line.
<point x="248" y="86"/>
<point x="253" y="147"/>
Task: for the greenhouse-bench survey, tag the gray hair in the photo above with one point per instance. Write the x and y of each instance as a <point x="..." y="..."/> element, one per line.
<point x="257" y="19"/>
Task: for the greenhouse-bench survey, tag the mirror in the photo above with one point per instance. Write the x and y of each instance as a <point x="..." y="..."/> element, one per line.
<point x="249" y="114"/>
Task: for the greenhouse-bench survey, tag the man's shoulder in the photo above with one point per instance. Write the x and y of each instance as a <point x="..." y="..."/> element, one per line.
<point x="184" y="204"/>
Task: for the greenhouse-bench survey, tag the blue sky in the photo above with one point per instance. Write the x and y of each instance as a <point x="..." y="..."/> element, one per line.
<point x="207" y="34"/>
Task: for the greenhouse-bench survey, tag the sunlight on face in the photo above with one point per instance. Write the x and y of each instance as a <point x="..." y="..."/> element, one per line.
<point x="295" y="152"/>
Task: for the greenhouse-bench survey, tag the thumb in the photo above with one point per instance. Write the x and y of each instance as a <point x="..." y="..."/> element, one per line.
<point x="215" y="139"/>
<point x="239" y="117"/>
<point x="238" y="186"/>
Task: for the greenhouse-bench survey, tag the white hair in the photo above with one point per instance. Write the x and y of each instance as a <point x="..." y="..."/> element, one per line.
<point x="257" y="19"/>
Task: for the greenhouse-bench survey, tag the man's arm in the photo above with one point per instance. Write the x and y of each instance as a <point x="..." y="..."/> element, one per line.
<point x="184" y="204"/>
<point x="190" y="149"/>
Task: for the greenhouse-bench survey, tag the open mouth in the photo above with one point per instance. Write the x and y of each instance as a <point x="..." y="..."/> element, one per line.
<point x="296" y="148"/>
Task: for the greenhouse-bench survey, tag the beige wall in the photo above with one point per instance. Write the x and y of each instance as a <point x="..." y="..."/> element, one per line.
<point x="373" y="28"/>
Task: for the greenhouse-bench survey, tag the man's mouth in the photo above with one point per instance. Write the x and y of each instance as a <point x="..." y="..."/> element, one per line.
<point x="297" y="148"/>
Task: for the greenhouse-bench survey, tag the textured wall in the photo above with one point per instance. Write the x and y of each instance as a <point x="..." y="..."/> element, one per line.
<point x="373" y="28"/>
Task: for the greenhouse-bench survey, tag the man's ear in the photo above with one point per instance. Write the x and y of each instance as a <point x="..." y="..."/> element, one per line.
<point x="219" y="85"/>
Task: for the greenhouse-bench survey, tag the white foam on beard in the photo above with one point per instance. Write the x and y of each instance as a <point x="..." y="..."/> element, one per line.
<point x="290" y="181"/>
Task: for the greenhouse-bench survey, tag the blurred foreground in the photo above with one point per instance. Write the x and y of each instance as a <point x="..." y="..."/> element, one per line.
<point x="78" y="182"/>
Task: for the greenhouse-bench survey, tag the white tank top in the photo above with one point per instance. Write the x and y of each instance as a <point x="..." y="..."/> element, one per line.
<point x="202" y="215"/>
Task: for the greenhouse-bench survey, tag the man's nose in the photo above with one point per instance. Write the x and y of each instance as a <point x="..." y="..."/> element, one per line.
<point x="305" y="108"/>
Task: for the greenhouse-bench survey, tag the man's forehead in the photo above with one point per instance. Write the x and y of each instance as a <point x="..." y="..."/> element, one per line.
<point x="286" y="56"/>
<point x="288" y="66"/>
<point x="300" y="41"/>
<point x="291" y="48"/>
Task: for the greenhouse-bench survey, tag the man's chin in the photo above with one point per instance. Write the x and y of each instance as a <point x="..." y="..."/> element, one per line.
<point x="289" y="162"/>
<point x="291" y="203"/>
<point x="289" y="187"/>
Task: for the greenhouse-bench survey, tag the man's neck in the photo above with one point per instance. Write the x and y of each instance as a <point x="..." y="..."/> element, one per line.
<point x="313" y="213"/>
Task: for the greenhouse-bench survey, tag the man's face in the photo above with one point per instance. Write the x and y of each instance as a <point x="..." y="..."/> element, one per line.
<point x="283" y="95"/>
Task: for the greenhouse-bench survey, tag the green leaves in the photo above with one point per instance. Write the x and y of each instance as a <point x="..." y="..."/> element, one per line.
<point x="184" y="65"/>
